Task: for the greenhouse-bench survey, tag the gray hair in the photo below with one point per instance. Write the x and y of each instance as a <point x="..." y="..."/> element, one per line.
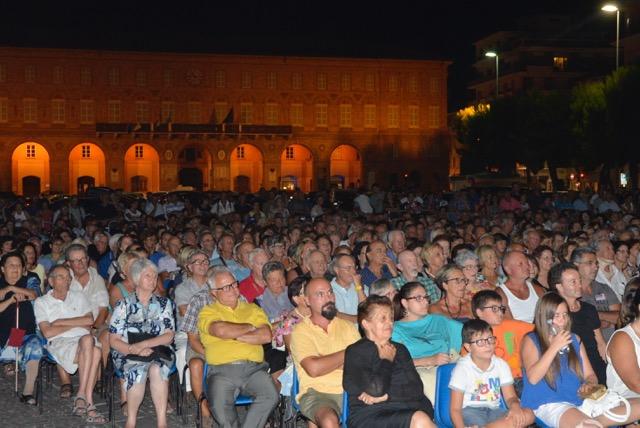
<point x="579" y="253"/>
<point x="98" y="235"/>
<point x="379" y="286"/>
<point x="463" y="256"/>
<point x="307" y="257"/>
<point x="272" y="267"/>
<point x="75" y="247"/>
<point x="390" y="235"/>
<point x="595" y="244"/>
<point x="253" y="253"/>
<point x="214" y="272"/>
<point x="443" y="274"/>
<point x="139" y="266"/>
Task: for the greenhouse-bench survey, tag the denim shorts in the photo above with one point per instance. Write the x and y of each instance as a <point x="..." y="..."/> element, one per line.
<point x="481" y="416"/>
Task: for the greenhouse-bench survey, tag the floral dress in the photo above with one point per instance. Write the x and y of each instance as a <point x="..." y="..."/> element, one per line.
<point x="130" y="315"/>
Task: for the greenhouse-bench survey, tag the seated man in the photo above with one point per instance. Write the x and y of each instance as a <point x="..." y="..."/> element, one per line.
<point x="233" y="333"/>
<point x="65" y="317"/>
<point x="318" y="343"/>
<point x="409" y="271"/>
<point x="347" y="288"/>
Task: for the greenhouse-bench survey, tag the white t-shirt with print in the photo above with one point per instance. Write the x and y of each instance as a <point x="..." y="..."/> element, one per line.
<point x="481" y="388"/>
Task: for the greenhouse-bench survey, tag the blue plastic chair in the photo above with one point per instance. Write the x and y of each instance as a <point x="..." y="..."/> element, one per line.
<point x="241" y="400"/>
<point x="295" y="389"/>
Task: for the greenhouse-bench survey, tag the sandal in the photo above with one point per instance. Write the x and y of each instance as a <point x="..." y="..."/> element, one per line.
<point x="28" y="399"/>
<point x="94" y="417"/>
<point x="66" y="390"/>
<point x="79" y="410"/>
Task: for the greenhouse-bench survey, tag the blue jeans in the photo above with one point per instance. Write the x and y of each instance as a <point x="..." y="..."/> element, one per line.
<point x="481" y="416"/>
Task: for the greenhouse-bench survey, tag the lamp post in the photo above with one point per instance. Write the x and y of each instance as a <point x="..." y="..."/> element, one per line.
<point x="492" y="54"/>
<point x="610" y="8"/>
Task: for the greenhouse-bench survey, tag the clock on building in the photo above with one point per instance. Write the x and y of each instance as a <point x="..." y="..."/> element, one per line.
<point x="194" y="76"/>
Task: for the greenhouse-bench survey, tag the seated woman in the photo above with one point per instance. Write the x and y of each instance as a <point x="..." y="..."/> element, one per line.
<point x="14" y="293"/>
<point x="143" y="313"/>
<point x="557" y="370"/>
<point x="489" y="263"/>
<point x="432" y="339"/>
<point x="454" y="302"/>
<point x="469" y="263"/>
<point x="384" y="387"/>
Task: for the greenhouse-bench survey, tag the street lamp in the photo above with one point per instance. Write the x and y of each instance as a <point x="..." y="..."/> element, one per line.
<point x="610" y="8"/>
<point x="492" y="54"/>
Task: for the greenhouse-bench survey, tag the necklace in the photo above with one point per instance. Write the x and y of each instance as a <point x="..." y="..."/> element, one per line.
<point x="449" y="310"/>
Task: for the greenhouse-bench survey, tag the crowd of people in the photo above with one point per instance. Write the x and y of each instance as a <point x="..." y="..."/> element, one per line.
<point x="534" y="297"/>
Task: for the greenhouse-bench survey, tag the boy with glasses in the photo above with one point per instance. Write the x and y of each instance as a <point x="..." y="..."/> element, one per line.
<point x="487" y="306"/>
<point x="479" y="381"/>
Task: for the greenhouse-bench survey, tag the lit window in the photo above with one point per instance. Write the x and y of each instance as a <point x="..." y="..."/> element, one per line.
<point x="412" y="84"/>
<point x="345" y="115"/>
<point x="85" y="76"/>
<point x="345" y="82"/>
<point x="289" y="153"/>
<point x="113" y="111"/>
<point x="142" y="111"/>
<point x="370" y="82"/>
<point x="393" y="83"/>
<point x="31" y="151"/>
<point x="194" y="109"/>
<point x="30" y="110"/>
<point x="296" y="114"/>
<point x="321" y="115"/>
<point x="246" y="113"/>
<point x="434" y="116"/>
<point x="240" y="152"/>
<point x="272" y="80"/>
<point x="87" y="115"/>
<point x="168" y="110"/>
<point x="370" y="116"/>
<point x="296" y="80"/>
<point x="560" y="63"/>
<point x="139" y="151"/>
<point x="141" y="78"/>
<point x="393" y="116"/>
<point x="30" y="74"/>
<point x="222" y="110"/>
<point x="321" y="81"/>
<point x="221" y="79"/>
<point x="3" y="73"/>
<point x="86" y="151"/>
<point x="58" y="75"/>
<point x="245" y="80"/>
<point x="57" y="111"/>
<point x="4" y="110"/>
<point x="414" y="117"/>
<point x="113" y="75"/>
<point x="271" y="113"/>
<point x="167" y="78"/>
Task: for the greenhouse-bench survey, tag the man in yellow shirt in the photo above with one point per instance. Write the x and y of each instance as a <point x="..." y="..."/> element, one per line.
<point x="317" y="348"/>
<point x="233" y="333"/>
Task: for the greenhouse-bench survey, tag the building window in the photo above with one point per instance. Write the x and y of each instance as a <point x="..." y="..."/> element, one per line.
<point x="139" y="151"/>
<point x="58" y="75"/>
<point x="345" y="115"/>
<point x="296" y="114"/>
<point x="31" y="151"/>
<point x="221" y="79"/>
<point x="434" y="86"/>
<point x="87" y="115"/>
<point x="221" y="110"/>
<point x="321" y="81"/>
<point x="414" y="117"/>
<point x="560" y="63"/>
<point x="141" y="78"/>
<point x="272" y="80"/>
<point x="289" y="153"/>
<point x="86" y="151"/>
<point x="296" y="80"/>
<point x="393" y="83"/>
<point x="246" y="113"/>
<point x="3" y="73"/>
<point x="142" y="111"/>
<point x="30" y="110"/>
<point x="393" y="116"/>
<point x="194" y="110"/>
<point x="4" y="110"/>
<point x="245" y="80"/>
<point x="240" y="152"/>
<point x="113" y="76"/>
<point x="30" y="74"/>
<point x="370" y="119"/>
<point x="85" y="76"/>
<point x="167" y="78"/>
<point x="271" y="113"/>
<point x="345" y="82"/>
<point x="113" y="111"/>
<point x="412" y="84"/>
<point x="57" y="111"/>
<point x="168" y="110"/>
<point x="370" y="82"/>
<point x="321" y="115"/>
<point x="434" y="116"/>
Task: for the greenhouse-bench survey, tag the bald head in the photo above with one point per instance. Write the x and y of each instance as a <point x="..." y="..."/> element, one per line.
<point x="516" y="266"/>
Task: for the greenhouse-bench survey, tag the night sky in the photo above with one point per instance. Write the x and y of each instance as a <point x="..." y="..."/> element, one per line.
<point x="423" y="29"/>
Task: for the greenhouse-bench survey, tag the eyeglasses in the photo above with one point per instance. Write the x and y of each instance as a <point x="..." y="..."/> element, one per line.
<point x="590" y="263"/>
<point x="484" y="342"/>
<point x="470" y="267"/>
<point x="228" y="287"/>
<point x="200" y="262"/>
<point x="419" y="298"/>
<point x="457" y="281"/>
<point x="496" y="308"/>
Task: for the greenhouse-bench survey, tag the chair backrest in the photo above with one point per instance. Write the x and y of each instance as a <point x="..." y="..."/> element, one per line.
<point x="442" y="403"/>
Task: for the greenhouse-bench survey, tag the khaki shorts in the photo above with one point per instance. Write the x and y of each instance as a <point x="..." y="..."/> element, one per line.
<point x="312" y="401"/>
<point x="191" y="354"/>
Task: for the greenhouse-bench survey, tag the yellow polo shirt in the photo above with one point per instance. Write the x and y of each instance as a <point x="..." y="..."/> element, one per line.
<point x="309" y="340"/>
<point x="224" y="351"/>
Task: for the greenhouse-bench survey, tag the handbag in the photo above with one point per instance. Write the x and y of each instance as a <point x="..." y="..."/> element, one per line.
<point x="159" y="352"/>
<point x="594" y="407"/>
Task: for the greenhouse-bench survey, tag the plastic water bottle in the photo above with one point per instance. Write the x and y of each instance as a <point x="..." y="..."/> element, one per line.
<point x="554" y="331"/>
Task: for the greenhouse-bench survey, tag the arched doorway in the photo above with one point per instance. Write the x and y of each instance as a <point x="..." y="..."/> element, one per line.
<point x="30" y="170"/>
<point x="246" y="168"/>
<point x="346" y="163"/>
<point x="141" y="169"/>
<point x="296" y="168"/>
<point x="86" y="167"/>
<point x="194" y="167"/>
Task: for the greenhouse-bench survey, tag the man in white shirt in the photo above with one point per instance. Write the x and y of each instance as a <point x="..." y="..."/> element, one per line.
<point x="608" y="273"/>
<point x="347" y="288"/>
<point x="363" y="203"/>
<point x="64" y="316"/>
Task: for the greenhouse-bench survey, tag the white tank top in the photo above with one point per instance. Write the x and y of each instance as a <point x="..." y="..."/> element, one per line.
<point x="614" y="382"/>
<point x="522" y="310"/>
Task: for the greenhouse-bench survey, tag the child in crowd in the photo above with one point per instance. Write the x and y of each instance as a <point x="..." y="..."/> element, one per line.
<point x="480" y="380"/>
